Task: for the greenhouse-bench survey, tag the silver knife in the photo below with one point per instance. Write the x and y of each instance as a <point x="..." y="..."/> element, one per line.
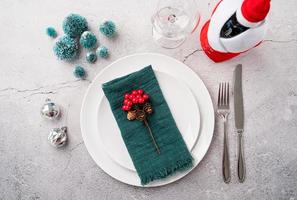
<point x="239" y="119"/>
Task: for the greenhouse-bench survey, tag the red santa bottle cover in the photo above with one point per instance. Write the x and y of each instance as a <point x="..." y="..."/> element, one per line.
<point x="251" y="14"/>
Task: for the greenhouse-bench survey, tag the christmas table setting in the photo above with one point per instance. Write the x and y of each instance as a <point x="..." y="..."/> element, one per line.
<point x="148" y="100"/>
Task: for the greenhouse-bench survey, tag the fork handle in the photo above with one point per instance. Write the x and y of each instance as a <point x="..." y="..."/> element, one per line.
<point x="226" y="161"/>
<point x="241" y="164"/>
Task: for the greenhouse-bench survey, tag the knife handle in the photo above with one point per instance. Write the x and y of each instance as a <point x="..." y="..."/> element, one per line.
<point x="226" y="161"/>
<point x="241" y="164"/>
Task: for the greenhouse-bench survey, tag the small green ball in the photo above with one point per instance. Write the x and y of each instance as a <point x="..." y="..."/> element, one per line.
<point x="91" y="57"/>
<point x="88" y="40"/>
<point x="108" y="28"/>
<point x="66" y="48"/>
<point x="102" y="52"/>
<point x="79" y="72"/>
<point x="51" y="31"/>
<point x="74" y="25"/>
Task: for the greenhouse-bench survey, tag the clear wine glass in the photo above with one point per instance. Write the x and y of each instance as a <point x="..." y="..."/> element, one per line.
<point x="173" y="21"/>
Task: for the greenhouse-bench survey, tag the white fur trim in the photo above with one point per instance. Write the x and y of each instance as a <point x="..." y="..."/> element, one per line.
<point x="245" y="40"/>
<point x="244" y="21"/>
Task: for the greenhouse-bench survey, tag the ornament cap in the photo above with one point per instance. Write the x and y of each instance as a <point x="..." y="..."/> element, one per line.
<point x="64" y="129"/>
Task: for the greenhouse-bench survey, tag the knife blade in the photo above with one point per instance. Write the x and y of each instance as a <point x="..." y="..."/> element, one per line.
<point x="238" y="98"/>
<point x="239" y="120"/>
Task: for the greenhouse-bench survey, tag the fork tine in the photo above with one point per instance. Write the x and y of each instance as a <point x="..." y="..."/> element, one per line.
<point x="228" y="95"/>
<point x="219" y="95"/>
<point x="224" y="94"/>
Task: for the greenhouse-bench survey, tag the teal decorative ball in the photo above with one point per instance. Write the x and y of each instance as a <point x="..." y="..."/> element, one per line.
<point x="74" y="25"/>
<point x="51" y="32"/>
<point x="66" y="48"/>
<point x="108" y="28"/>
<point x="79" y="72"/>
<point x="88" y="40"/>
<point x="102" y="51"/>
<point x="91" y="57"/>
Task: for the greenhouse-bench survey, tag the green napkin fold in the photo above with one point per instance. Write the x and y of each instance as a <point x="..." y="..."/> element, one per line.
<point x="174" y="155"/>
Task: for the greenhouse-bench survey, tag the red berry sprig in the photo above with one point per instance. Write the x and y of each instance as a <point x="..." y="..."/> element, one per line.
<point x="133" y="98"/>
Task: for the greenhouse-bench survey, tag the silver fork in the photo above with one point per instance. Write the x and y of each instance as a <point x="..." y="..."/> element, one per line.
<point x="223" y="112"/>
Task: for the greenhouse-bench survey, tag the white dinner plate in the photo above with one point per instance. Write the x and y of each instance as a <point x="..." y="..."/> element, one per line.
<point x="160" y="63"/>
<point x="181" y="102"/>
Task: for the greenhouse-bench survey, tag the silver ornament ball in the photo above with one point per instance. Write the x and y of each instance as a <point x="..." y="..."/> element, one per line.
<point x="58" y="136"/>
<point x="50" y="110"/>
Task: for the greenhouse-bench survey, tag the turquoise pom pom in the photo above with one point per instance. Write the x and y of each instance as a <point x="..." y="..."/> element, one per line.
<point x="51" y="31"/>
<point x="66" y="48"/>
<point x="74" y="25"/>
<point x="79" y="72"/>
<point x="108" y="28"/>
<point x="102" y="52"/>
<point x="88" y="40"/>
<point x="91" y="57"/>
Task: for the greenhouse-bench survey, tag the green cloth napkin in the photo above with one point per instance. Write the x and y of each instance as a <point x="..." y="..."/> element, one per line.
<point x="174" y="153"/>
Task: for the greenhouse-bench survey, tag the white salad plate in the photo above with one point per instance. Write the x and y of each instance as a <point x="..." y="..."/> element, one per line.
<point x="188" y="100"/>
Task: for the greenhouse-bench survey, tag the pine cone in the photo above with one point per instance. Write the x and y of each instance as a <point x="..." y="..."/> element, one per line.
<point x="148" y="108"/>
<point x="131" y="115"/>
<point x="140" y="115"/>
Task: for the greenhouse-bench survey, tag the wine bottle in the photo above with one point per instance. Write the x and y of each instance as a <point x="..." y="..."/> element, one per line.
<point x="232" y="27"/>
